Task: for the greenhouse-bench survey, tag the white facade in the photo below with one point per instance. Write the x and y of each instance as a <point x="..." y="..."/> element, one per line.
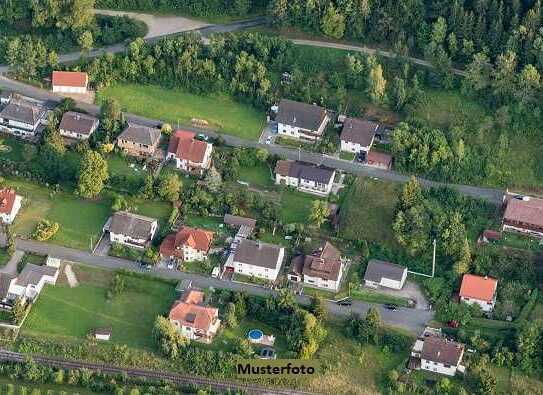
<point x="308" y="186"/>
<point x="131" y="242"/>
<point x="30" y="291"/>
<point x="265" y="273"/>
<point x="486" y="306"/>
<point x="8" y="218"/>
<point x="78" y="136"/>
<point x="187" y="165"/>
<point x="300" y="133"/>
<point x="191" y="254"/>
<point x="102" y="336"/>
<point x="323" y="283"/>
<point x="388" y="283"/>
<point x="69" y="89"/>
<point x="438" y="367"/>
<point x="356" y="148"/>
<point x="531" y="232"/>
<point x="198" y="334"/>
<point x="19" y="128"/>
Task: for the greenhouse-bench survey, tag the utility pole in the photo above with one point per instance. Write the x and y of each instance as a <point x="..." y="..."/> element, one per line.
<point x="434" y="259"/>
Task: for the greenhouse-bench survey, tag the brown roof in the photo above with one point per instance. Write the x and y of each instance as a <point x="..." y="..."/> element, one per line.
<point x="22" y="111"/>
<point x="441" y="350"/>
<point x="257" y="253"/>
<point x="235" y="220"/>
<point x="282" y="167"/>
<point x="359" y="131"/>
<point x="492" y="234"/>
<point x="70" y="78"/>
<point x="185" y="146"/>
<point x="324" y="263"/>
<point x="189" y="311"/>
<point x="478" y="287"/>
<point x="76" y="122"/>
<point x="7" y="200"/>
<point x="525" y="211"/>
<point x="305" y="171"/>
<point x="140" y="134"/>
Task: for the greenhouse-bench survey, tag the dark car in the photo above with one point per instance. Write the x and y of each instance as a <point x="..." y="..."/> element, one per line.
<point x="344" y="302"/>
<point x="391" y="306"/>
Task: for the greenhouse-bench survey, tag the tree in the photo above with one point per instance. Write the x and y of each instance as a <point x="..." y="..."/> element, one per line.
<point x="376" y="84"/>
<point x="333" y="22"/>
<point x="93" y="173"/>
<point x="45" y="229"/>
<point x="318" y="309"/>
<point x="10" y="239"/>
<point x="166" y="129"/>
<point x="411" y="194"/>
<point x="18" y="311"/>
<point x="29" y="152"/>
<point x="111" y="116"/>
<point x="230" y="319"/>
<point x="170" y="187"/>
<point x="243" y="348"/>
<point x="399" y="93"/>
<point x="261" y="154"/>
<point x="168" y="340"/>
<point x="463" y="261"/>
<point x="504" y="83"/>
<point x="319" y="212"/>
<point x="85" y="41"/>
<point x="213" y="180"/>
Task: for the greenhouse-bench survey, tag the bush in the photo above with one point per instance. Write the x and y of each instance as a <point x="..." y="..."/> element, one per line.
<point x="45" y="230"/>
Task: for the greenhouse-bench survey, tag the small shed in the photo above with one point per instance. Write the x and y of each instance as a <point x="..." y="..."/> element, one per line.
<point x="102" y="333"/>
<point x="52" y="262"/>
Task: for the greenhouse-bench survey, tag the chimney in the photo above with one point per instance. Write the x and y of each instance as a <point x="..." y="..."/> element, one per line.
<point x="486" y="277"/>
<point x="4" y="202"/>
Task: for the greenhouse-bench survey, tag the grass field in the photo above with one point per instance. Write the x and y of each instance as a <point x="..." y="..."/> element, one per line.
<point x="11" y="148"/>
<point x="174" y="105"/>
<point x="296" y="206"/>
<point x="73" y="312"/>
<point x="258" y="176"/>
<point x="117" y="165"/>
<point x="4" y="257"/>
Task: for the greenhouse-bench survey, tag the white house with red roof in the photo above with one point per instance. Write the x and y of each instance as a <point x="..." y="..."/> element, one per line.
<point x="70" y="82"/>
<point x="479" y="290"/>
<point x="189" y="153"/>
<point x="188" y="244"/>
<point x="10" y="204"/>
<point x="193" y="319"/>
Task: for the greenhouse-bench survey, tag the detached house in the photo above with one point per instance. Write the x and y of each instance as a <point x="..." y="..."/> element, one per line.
<point x="22" y="118"/>
<point x="75" y="125"/>
<point x="301" y="120"/>
<point x="10" y="204"/>
<point x="305" y="177"/>
<point x="479" y="290"/>
<point x="385" y="274"/>
<point x="70" y="82"/>
<point x="190" y="155"/>
<point x="523" y="214"/>
<point x="28" y="284"/>
<point x="189" y="244"/>
<point x="435" y="353"/>
<point x="139" y="140"/>
<point x="132" y="230"/>
<point x="258" y="259"/>
<point x="357" y="135"/>
<point x="193" y="319"/>
<point x="322" y="269"/>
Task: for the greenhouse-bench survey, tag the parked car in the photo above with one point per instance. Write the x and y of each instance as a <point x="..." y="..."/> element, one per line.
<point x="268" y="140"/>
<point x="202" y="137"/>
<point x="170" y="265"/>
<point x="391" y="306"/>
<point x="344" y="302"/>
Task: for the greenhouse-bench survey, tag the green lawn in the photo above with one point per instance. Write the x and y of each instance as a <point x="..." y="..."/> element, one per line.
<point x="346" y="155"/>
<point x="4" y="257"/>
<point x="11" y="148"/>
<point x="73" y="312"/>
<point x="296" y="206"/>
<point x="259" y="176"/>
<point x="175" y="105"/>
<point x="119" y="166"/>
<point x="377" y="297"/>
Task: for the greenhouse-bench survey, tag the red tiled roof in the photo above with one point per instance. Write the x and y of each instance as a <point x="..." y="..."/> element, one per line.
<point x="189" y="311"/>
<point x="477" y="287"/>
<point x="196" y="238"/>
<point x="184" y="145"/>
<point x="7" y="200"/>
<point x="525" y="211"/>
<point x="70" y="78"/>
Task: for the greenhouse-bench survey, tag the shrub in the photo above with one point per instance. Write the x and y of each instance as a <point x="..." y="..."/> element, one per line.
<point x="45" y="230"/>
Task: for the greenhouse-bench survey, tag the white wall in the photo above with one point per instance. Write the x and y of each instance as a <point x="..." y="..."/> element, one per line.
<point x="522" y="230"/>
<point x="485" y="306"/>
<point x="259" y="271"/>
<point x="69" y="89"/>
<point x="191" y="254"/>
<point x="9" y="218"/>
<point x="437" y="367"/>
<point x="126" y="240"/>
<point x="349" y="146"/>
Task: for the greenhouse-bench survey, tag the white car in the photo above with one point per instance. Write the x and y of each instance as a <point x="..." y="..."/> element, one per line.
<point x="268" y="140"/>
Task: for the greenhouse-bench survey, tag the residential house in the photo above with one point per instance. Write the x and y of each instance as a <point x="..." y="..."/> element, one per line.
<point x="379" y="160"/>
<point x="258" y="259"/>
<point x="190" y="154"/>
<point x="301" y="121"/>
<point x="305" y="177"/>
<point x="322" y="269"/>
<point x="385" y="274"/>
<point x="75" y="125"/>
<point x="10" y="204"/>
<point x="188" y="244"/>
<point x="29" y="283"/>
<point x="139" y="140"/>
<point x="132" y="230"/>
<point x="22" y="118"/>
<point x="435" y="353"/>
<point x="193" y="319"/>
<point x="523" y="214"/>
<point x="357" y="135"/>
<point x="70" y="82"/>
<point x="479" y="290"/>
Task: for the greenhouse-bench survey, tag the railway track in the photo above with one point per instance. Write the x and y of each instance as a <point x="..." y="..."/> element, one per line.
<point x="181" y="379"/>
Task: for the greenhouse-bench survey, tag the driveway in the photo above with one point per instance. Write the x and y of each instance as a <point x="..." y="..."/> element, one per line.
<point x="410" y="290"/>
<point x="159" y="25"/>
<point x="11" y="266"/>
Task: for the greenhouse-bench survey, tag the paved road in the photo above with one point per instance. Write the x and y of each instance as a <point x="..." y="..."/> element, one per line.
<point x="412" y="320"/>
<point x="492" y="195"/>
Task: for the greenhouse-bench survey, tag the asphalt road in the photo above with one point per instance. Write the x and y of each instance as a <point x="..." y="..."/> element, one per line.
<point x="493" y="195"/>
<point x="413" y="320"/>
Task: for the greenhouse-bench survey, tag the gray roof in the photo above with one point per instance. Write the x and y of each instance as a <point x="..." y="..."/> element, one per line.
<point x="359" y="131"/>
<point x="5" y="281"/>
<point x="377" y="270"/>
<point x="140" y="134"/>
<point x="76" y="122"/>
<point x="22" y="111"/>
<point x="235" y="220"/>
<point x="305" y="171"/>
<point x="302" y="115"/>
<point x="32" y="274"/>
<point x="133" y="225"/>
<point x="257" y="253"/>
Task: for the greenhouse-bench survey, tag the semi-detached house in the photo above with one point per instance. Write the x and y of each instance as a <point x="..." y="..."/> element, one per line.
<point x="132" y="230"/>
<point x="301" y="120"/>
<point x="305" y="177"/>
<point x="435" y="353"/>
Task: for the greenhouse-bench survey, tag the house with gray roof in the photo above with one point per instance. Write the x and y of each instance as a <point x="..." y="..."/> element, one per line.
<point x="22" y="118"/>
<point x="385" y="274"/>
<point x="139" y="140"/>
<point x="75" y="125"/>
<point x="132" y="230"/>
<point x="305" y="177"/>
<point x="28" y="284"/>
<point x="357" y="135"/>
<point x="258" y="259"/>
<point x="301" y="120"/>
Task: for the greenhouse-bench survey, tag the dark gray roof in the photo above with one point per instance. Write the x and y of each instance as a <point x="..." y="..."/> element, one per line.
<point x="306" y="171"/>
<point x="257" y="253"/>
<point x="302" y="115"/>
<point x="32" y="274"/>
<point x="140" y="134"/>
<point x="359" y="131"/>
<point x="133" y="225"/>
<point x="5" y="281"/>
<point x="76" y="122"/>
<point x="235" y="220"/>
<point x="22" y="111"/>
<point x="377" y="270"/>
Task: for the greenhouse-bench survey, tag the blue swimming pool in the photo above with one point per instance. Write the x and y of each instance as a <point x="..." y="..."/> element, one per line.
<point x="255" y="334"/>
